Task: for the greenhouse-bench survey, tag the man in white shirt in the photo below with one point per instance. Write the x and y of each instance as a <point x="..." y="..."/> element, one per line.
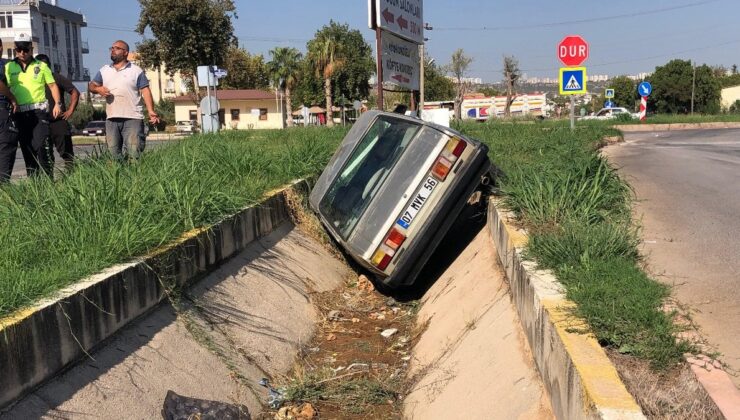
<point x="124" y="86"/>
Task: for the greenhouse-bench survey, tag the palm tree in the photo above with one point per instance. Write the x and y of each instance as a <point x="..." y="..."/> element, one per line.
<point x="283" y="69"/>
<point x="325" y="53"/>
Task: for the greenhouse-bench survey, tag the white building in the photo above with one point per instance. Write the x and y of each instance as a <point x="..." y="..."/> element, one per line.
<point x="56" y="32"/>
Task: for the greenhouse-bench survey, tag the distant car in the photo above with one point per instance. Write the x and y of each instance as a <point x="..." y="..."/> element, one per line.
<point x="186" y="127"/>
<point x="610" y="113"/>
<point x="394" y="188"/>
<point x="94" y="128"/>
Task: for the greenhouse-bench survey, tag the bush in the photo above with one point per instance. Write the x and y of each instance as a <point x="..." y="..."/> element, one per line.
<point x="735" y="108"/>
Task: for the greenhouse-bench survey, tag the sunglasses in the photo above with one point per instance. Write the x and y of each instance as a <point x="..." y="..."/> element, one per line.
<point x="22" y="49"/>
<point x="117" y="48"/>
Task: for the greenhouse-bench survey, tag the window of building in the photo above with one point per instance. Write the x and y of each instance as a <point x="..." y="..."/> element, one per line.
<point x="222" y="116"/>
<point x="263" y="114"/>
<point x="46" y="32"/>
<point x="6" y="20"/>
<point x="67" y="35"/>
<point x="170" y="86"/>
<point x="193" y="114"/>
<point x="234" y="115"/>
<point x="10" y="53"/>
<point x="54" y="36"/>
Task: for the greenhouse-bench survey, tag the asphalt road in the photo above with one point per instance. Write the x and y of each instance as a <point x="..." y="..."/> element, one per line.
<point x="688" y="188"/>
<point x="81" y="151"/>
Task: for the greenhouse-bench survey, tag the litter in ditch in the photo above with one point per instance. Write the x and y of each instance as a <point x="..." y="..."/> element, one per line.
<point x="355" y="367"/>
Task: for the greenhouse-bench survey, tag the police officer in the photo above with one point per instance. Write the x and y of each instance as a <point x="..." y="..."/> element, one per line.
<point x="8" y="140"/>
<point x="27" y="79"/>
<point x="59" y="131"/>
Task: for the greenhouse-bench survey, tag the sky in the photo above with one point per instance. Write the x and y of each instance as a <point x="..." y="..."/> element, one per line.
<point x="625" y="37"/>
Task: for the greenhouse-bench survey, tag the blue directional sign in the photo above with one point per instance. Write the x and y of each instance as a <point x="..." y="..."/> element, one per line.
<point x="572" y="80"/>
<point x="645" y="89"/>
<point x="608" y="93"/>
<point x="609" y="104"/>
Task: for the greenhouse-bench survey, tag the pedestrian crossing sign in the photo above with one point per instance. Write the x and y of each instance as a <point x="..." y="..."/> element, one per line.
<point x="572" y="80"/>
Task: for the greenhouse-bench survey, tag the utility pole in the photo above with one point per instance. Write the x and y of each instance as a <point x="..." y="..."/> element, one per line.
<point x="693" y="87"/>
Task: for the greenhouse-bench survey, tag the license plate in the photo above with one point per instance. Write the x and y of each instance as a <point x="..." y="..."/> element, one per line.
<point x="417" y="203"/>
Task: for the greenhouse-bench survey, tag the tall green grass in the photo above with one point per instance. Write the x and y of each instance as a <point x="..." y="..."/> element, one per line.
<point x="54" y="233"/>
<point x="577" y="211"/>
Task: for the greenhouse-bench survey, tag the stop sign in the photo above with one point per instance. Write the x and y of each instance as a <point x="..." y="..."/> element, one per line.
<point x="573" y="50"/>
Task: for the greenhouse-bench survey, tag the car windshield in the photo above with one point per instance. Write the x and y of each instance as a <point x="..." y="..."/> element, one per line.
<point x="364" y="172"/>
<point x="97" y="124"/>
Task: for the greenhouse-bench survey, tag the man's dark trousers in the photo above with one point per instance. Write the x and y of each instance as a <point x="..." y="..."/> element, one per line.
<point x="61" y="137"/>
<point x="33" y="137"/>
<point x="8" y="145"/>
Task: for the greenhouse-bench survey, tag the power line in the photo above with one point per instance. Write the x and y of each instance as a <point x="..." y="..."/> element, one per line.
<point x="611" y="63"/>
<point x="578" y="21"/>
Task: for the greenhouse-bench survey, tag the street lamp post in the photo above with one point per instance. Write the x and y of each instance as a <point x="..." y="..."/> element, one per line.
<point x="427" y="27"/>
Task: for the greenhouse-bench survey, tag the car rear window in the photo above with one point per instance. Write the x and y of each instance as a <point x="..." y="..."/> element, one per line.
<point x="364" y="172"/>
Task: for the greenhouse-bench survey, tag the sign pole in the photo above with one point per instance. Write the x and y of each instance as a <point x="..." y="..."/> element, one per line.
<point x="572" y="112"/>
<point x="421" y="79"/>
<point x="379" y="47"/>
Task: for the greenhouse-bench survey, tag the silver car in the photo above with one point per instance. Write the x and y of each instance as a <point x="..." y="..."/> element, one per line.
<point x="392" y="190"/>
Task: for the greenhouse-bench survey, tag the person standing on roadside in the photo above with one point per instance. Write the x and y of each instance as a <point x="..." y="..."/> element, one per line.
<point x="27" y="79"/>
<point x="124" y="85"/>
<point x="8" y="139"/>
<point x="61" y="136"/>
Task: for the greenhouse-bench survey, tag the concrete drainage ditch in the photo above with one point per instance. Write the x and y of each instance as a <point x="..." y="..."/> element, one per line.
<point x="251" y="317"/>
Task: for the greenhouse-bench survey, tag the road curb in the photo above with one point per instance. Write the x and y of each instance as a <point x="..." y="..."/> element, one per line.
<point x="579" y="377"/>
<point x="646" y="128"/>
<point x="39" y="342"/>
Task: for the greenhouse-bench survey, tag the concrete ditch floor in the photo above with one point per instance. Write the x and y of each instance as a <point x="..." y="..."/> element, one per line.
<point x="473" y="360"/>
<point x="243" y="322"/>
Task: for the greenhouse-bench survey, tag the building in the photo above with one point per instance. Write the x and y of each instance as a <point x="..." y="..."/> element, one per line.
<point x="162" y="85"/>
<point x="56" y="32"/>
<point x="730" y="95"/>
<point x="240" y="109"/>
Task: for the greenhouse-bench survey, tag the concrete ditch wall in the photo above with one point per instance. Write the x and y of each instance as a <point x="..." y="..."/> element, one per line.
<point x="579" y="377"/>
<point x="38" y="342"/>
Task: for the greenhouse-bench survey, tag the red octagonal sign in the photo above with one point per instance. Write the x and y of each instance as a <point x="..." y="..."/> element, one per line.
<point x="573" y="50"/>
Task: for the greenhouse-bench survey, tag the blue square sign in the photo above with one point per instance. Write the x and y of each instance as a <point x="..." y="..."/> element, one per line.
<point x="572" y="80"/>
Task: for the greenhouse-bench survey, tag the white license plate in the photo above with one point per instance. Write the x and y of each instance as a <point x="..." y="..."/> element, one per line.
<point x="417" y="203"/>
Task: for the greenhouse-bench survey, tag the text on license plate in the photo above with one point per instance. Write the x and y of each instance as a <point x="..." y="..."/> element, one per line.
<point x="418" y="202"/>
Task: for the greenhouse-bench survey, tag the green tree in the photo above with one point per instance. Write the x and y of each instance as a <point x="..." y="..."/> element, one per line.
<point x="283" y="69"/>
<point x="437" y="87"/>
<point x="731" y="80"/>
<point x="82" y="115"/>
<point x="458" y="66"/>
<point x="188" y="33"/>
<point x="489" y="91"/>
<point x="512" y="73"/>
<point x="672" y="86"/>
<point x="244" y="70"/>
<point x="326" y="53"/>
<point x="309" y="87"/>
<point x="350" y="81"/>
<point x="150" y="57"/>
<point x="625" y="92"/>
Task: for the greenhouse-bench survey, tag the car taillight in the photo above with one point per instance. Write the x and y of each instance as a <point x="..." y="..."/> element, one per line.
<point x="446" y="160"/>
<point x="385" y="252"/>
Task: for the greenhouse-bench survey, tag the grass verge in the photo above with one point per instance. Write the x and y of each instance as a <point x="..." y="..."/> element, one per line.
<point x="102" y="213"/>
<point x="577" y="212"/>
